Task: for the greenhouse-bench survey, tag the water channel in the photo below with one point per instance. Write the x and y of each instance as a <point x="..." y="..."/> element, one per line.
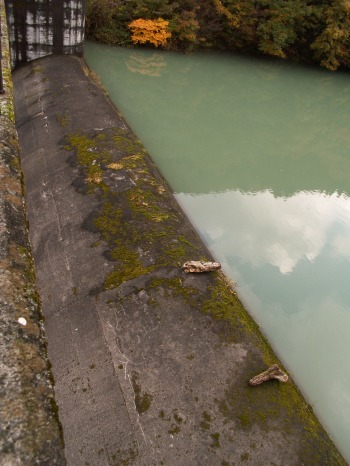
<point x="257" y="152"/>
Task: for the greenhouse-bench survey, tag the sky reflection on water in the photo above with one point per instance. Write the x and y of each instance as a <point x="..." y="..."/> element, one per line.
<point x="259" y="228"/>
<point x="290" y="258"/>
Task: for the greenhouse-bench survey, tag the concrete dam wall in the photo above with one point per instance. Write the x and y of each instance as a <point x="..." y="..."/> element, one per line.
<point x="29" y="427"/>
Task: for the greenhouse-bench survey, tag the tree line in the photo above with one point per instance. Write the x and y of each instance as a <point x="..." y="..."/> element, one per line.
<point x="307" y="31"/>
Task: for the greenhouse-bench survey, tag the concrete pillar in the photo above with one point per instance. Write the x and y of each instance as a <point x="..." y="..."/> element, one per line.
<point x="43" y="27"/>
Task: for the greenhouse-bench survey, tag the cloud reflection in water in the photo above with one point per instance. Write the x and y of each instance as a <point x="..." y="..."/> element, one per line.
<point x="260" y="229"/>
<point x="291" y="260"/>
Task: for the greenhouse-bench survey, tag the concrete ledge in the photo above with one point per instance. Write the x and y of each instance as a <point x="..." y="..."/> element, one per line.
<point x="29" y="428"/>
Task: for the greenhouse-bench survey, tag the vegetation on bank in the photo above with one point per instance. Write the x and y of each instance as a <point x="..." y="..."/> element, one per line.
<point x="315" y="31"/>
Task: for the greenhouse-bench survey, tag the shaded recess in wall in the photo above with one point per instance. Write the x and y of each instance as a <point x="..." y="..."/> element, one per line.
<point x="44" y="27"/>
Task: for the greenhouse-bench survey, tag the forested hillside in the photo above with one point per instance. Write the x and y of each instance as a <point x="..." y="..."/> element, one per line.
<point x="308" y="31"/>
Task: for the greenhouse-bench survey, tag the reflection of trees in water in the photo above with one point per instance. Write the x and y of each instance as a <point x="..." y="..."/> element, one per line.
<point x="243" y="123"/>
<point x="150" y="66"/>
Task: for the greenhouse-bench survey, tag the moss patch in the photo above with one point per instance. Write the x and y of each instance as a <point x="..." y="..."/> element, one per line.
<point x="133" y="206"/>
<point x="215" y="440"/>
<point x="175" y="287"/>
<point x="174" y="430"/>
<point x="63" y="120"/>
<point x="206" y="421"/>
<point x="224" y="304"/>
<point x="275" y="405"/>
<point x="90" y="157"/>
<point x="142" y="400"/>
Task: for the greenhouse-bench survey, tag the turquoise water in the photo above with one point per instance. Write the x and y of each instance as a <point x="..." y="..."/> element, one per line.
<point x="258" y="155"/>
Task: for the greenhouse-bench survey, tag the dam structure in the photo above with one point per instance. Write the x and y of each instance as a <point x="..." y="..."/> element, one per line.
<point x="110" y="352"/>
<point x="40" y="28"/>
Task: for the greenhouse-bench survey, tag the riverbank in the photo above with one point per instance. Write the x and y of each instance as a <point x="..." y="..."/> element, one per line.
<point x="151" y="365"/>
<point x="302" y="33"/>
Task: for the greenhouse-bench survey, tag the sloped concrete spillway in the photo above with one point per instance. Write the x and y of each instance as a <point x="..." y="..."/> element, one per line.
<point x="151" y="365"/>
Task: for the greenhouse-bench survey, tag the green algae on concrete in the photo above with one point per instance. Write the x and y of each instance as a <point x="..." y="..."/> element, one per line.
<point x="276" y="404"/>
<point x="142" y="400"/>
<point x="113" y="166"/>
<point x="250" y="406"/>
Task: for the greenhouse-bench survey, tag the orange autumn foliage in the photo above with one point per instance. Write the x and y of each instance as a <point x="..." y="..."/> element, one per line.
<point x="154" y="31"/>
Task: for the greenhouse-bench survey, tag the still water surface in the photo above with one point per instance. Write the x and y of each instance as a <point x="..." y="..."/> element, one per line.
<point x="258" y="155"/>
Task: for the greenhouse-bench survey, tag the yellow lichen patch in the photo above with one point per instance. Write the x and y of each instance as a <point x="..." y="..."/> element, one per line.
<point x="133" y="161"/>
<point x="138" y="197"/>
<point x="115" y="166"/>
<point x="160" y="217"/>
<point x="144" y="202"/>
<point x="95" y="178"/>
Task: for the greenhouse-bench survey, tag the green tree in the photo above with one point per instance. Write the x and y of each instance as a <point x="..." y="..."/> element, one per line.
<point x="307" y="30"/>
<point x="281" y="23"/>
<point x="332" y="45"/>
